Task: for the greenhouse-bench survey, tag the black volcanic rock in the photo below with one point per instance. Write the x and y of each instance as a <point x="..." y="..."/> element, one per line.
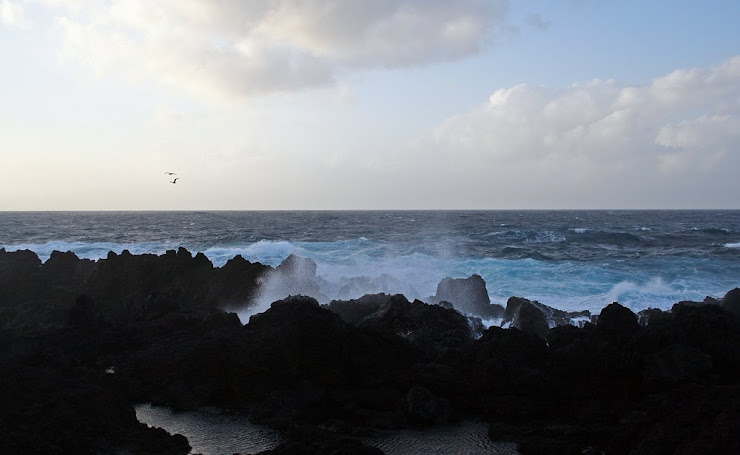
<point x="524" y="315"/>
<point x="51" y="406"/>
<point x="302" y="361"/>
<point x="468" y="295"/>
<point x="298" y="339"/>
<point x="235" y="284"/>
<point x="424" y="408"/>
<point x="355" y="310"/>
<point x="731" y="301"/>
<point x="120" y="289"/>
<point x="100" y="335"/>
<point x="552" y="316"/>
<point x="617" y="320"/>
<point x="433" y="329"/>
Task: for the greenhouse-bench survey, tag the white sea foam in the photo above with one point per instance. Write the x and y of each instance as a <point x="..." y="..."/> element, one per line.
<point x="354" y="267"/>
<point x="579" y="230"/>
<point x="265" y="251"/>
<point x="89" y="250"/>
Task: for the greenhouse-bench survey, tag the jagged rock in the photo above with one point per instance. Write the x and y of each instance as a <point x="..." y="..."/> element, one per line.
<point x="354" y="311"/>
<point x="235" y="284"/>
<point x="468" y="295"/>
<point x="553" y="317"/>
<point x="651" y="315"/>
<point x="298" y="342"/>
<point x="50" y="406"/>
<point x="431" y="328"/>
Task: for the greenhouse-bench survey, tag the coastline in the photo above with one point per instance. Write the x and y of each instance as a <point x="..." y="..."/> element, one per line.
<point x="151" y="328"/>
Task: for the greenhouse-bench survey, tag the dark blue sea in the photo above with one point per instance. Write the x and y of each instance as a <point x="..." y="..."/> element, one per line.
<point x="566" y="259"/>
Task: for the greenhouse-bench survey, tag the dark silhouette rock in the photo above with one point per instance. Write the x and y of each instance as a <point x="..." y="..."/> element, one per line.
<point x="552" y="316"/>
<point x="84" y="339"/>
<point x="468" y="295"/>
<point x="235" y="284"/>
<point x="616" y="319"/>
<point x="354" y="311"/>
<point x="424" y="408"/>
<point x="651" y="316"/>
<point x="524" y="315"/>
<point x="438" y="331"/>
<point x="51" y="406"/>
<point x="731" y="301"/>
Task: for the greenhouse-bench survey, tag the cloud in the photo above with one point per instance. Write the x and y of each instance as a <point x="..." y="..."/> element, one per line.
<point x="679" y="132"/>
<point x="235" y="48"/>
<point x="12" y="14"/>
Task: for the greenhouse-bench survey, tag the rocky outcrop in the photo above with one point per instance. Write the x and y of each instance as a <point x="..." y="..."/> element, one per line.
<point x="118" y="290"/>
<point x="149" y="328"/>
<point x="50" y="405"/>
<point x="467" y="295"/>
<point x="437" y="331"/>
<point x="355" y="310"/>
<point x="520" y="314"/>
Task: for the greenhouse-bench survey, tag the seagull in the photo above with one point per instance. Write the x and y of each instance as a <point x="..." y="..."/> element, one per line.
<point x="171" y="173"/>
<point x="175" y="181"/>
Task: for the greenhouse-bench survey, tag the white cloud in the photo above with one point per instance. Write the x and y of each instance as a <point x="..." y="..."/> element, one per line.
<point x="682" y="129"/>
<point x="234" y="48"/>
<point x="12" y="14"/>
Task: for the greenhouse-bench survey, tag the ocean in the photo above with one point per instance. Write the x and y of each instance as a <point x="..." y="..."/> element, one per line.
<point x="572" y="260"/>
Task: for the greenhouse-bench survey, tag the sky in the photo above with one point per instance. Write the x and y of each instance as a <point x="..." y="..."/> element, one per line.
<point x="356" y="104"/>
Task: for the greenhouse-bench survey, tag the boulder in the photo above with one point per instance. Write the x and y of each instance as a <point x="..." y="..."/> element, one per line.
<point x="526" y="316"/>
<point x="468" y="295"/>
<point x="553" y="316"/>
<point x="617" y="320"/>
<point x="731" y="301"/>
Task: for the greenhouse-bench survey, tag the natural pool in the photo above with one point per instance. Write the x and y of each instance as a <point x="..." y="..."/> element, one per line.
<point x="217" y="433"/>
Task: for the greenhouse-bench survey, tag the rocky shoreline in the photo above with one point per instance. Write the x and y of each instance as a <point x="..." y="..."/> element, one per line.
<point x="81" y="341"/>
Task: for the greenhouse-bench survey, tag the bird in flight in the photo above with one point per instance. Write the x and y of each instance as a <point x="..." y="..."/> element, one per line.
<point x="175" y="181"/>
<point x="171" y="173"/>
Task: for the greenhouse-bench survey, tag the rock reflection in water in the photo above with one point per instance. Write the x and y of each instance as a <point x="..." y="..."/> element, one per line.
<point x="214" y="433"/>
<point x="211" y="433"/>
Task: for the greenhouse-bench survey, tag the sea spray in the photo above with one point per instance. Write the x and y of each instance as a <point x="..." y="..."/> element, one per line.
<point x="566" y="259"/>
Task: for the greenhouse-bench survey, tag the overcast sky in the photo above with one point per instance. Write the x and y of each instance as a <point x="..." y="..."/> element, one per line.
<point x="357" y="104"/>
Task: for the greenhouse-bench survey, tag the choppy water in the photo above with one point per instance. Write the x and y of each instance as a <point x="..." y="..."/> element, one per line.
<point x="567" y="259"/>
<point x="218" y="434"/>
